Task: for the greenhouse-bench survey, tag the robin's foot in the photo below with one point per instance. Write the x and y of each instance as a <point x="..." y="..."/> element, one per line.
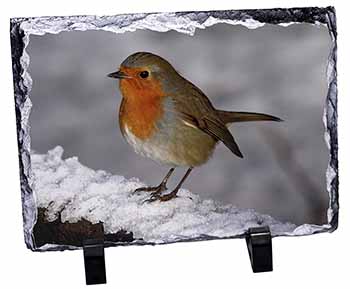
<point x="155" y="190"/>
<point x="159" y="189"/>
<point x="173" y="194"/>
<point x="162" y="198"/>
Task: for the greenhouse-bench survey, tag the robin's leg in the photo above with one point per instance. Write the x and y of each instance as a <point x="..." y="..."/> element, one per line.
<point x="167" y="197"/>
<point x="158" y="189"/>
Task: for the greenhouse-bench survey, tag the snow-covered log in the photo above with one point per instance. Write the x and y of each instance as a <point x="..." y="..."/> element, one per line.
<point x="68" y="192"/>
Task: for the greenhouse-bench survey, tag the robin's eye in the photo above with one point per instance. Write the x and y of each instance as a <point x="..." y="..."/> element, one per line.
<point x="144" y="74"/>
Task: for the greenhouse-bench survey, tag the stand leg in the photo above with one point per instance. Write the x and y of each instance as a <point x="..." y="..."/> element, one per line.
<point x="259" y="243"/>
<point x="94" y="260"/>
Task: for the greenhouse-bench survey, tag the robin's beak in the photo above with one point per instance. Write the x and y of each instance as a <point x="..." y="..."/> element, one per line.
<point x="118" y="74"/>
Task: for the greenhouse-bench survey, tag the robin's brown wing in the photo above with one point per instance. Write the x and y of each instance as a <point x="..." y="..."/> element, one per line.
<point x="220" y="132"/>
<point x="196" y="110"/>
<point x="215" y="128"/>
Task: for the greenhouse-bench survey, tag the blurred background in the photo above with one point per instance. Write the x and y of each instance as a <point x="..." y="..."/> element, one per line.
<point x="272" y="69"/>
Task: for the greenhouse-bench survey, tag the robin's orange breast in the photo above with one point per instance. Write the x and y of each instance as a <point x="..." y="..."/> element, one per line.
<point x="141" y="107"/>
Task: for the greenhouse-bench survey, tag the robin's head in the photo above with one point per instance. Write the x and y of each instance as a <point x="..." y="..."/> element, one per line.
<point x="144" y="73"/>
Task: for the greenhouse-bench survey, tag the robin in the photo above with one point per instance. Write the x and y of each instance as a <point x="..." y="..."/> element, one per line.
<point x="165" y="117"/>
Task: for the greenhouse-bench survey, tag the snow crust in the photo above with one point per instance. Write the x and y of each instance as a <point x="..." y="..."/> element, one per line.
<point x="73" y="191"/>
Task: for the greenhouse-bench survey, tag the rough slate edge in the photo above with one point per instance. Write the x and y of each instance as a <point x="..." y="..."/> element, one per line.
<point x="185" y="22"/>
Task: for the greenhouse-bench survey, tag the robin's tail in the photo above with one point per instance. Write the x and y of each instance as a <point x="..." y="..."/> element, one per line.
<point x="240" y="116"/>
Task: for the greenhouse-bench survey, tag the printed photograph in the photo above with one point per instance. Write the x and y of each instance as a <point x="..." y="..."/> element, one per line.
<point x="153" y="137"/>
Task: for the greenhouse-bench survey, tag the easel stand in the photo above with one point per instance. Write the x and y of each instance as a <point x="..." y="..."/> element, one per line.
<point x="259" y="243"/>
<point x="94" y="260"/>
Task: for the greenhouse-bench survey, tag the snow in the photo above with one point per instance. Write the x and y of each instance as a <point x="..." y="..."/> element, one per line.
<point x="73" y="191"/>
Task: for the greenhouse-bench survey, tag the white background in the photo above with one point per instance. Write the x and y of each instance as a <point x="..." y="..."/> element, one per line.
<point x="319" y="261"/>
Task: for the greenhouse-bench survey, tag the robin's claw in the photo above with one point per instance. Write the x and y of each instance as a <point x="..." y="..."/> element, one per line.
<point x="150" y="200"/>
<point x="144" y="189"/>
<point x="154" y="197"/>
<point x="161" y="198"/>
<point x="155" y="190"/>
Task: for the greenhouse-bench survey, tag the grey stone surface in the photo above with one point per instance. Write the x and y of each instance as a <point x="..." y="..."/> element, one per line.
<point x="184" y="22"/>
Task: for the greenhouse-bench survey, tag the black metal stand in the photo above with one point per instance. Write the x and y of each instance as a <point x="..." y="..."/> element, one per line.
<point x="94" y="260"/>
<point x="259" y="243"/>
